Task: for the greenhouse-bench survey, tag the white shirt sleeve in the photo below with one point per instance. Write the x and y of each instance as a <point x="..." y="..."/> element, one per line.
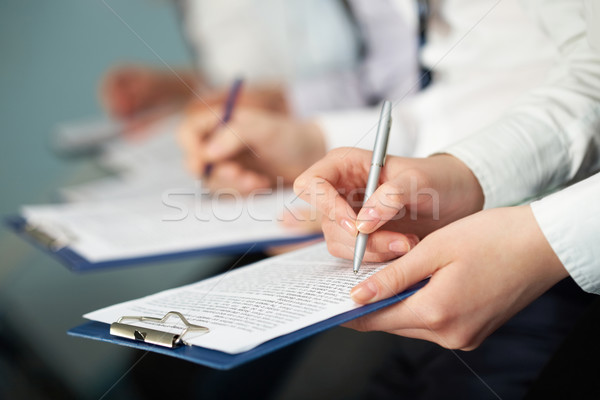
<point x="551" y="136"/>
<point x="388" y="70"/>
<point x="570" y="220"/>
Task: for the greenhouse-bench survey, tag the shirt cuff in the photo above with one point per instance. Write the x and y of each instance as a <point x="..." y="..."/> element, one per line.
<point x="570" y="221"/>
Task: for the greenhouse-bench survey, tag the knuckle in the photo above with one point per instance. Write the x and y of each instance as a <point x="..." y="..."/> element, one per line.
<point x="435" y="318"/>
<point x="329" y="230"/>
<point x="419" y="177"/>
<point x="458" y="339"/>
<point x="391" y="196"/>
<point x="333" y="248"/>
<point x="300" y="184"/>
<point x="395" y="278"/>
<point x="375" y="244"/>
<point x="377" y="257"/>
<point x="338" y="152"/>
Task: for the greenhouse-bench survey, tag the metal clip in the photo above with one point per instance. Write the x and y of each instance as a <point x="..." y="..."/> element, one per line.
<point x="155" y="336"/>
<point x="44" y="238"/>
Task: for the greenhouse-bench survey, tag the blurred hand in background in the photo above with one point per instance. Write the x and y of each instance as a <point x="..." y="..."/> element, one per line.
<point x="250" y="151"/>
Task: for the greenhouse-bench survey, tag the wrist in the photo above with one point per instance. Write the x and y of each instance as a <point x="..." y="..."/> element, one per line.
<point x="465" y="191"/>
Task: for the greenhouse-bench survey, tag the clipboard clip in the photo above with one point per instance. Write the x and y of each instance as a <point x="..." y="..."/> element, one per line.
<point x="46" y="239"/>
<point x="154" y="336"/>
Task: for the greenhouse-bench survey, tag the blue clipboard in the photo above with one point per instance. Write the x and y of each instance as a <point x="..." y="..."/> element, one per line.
<point x="220" y="360"/>
<point x="78" y="263"/>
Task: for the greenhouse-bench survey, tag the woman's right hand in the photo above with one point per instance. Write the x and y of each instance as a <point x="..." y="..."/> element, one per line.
<point x="416" y="196"/>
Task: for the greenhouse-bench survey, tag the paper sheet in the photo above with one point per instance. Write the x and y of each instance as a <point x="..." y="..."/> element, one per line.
<point x="251" y="305"/>
<point x="130" y="184"/>
<point x="177" y="220"/>
<point x="153" y="148"/>
<point x="147" y="163"/>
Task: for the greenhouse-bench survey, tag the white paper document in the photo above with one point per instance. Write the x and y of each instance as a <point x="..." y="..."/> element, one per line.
<point x="145" y="162"/>
<point x="130" y="184"/>
<point x="153" y="148"/>
<point x="248" y="306"/>
<point x="179" y="219"/>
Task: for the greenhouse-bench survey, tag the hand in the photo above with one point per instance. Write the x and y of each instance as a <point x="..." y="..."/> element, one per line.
<point x="484" y="269"/>
<point x="416" y="197"/>
<point x="129" y="89"/>
<point x="252" y="150"/>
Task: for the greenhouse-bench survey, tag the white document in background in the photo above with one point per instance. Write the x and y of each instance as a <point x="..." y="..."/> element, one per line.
<point x="175" y="221"/>
<point x="251" y="305"/>
<point x="145" y="151"/>
<point x="146" y="162"/>
<point x="152" y="182"/>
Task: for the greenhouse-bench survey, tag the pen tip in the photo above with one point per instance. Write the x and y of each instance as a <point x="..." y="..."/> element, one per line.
<point x="356" y="265"/>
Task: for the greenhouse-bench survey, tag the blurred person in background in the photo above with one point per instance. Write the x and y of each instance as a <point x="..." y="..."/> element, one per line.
<point x="297" y="57"/>
<point x="478" y="68"/>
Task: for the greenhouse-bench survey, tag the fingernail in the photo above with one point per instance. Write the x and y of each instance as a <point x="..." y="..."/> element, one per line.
<point x="364" y="292"/>
<point x="349" y="227"/>
<point x="367" y="219"/>
<point x="399" y="246"/>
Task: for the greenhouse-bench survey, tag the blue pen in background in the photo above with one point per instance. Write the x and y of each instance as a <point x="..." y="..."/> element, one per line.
<point x="234" y="92"/>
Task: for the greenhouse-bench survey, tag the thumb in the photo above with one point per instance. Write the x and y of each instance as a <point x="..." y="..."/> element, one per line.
<point x="395" y="278"/>
<point x="383" y="205"/>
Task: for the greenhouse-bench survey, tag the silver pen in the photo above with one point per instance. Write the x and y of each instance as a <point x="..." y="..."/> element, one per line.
<point x="379" y="153"/>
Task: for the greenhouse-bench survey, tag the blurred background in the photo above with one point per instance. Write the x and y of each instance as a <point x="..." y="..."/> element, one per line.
<point x="53" y="54"/>
<point x="53" y="57"/>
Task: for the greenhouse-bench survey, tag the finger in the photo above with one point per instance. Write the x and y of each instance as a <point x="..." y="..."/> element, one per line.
<point x="226" y="142"/>
<point x="231" y="175"/>
<point x="115" y="95"/>
<point x="195" y="130"/>
<point x="210" y="100"/>
<point x="191" y="137"/>
<point x="381" y="245"/>
<point x="405" y="315"/>
<point x="383" y="205"/>
<point x="396" y="277"/>
<point x="439" y="338"/>
<point x="390" y="243"/>
<point x="322" y="195"/>
<point x="343" y="167"/>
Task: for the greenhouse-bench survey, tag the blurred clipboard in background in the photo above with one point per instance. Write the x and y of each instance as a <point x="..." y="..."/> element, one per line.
<point x="148" y="162"/>
<point x="241" y="315"/>
<point x="102" y="234"/>
<point x="151" y="209"/>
